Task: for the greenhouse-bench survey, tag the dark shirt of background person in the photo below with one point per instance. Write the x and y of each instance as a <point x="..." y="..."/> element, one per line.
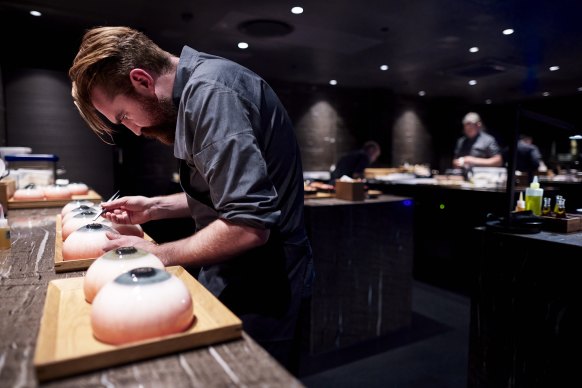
<point x="529" y="158"/>
<point x="355" y="162"/>
<point x="476" y="147"/>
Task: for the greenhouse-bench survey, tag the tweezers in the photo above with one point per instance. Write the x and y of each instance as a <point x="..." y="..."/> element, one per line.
<point x="112" y="198"/>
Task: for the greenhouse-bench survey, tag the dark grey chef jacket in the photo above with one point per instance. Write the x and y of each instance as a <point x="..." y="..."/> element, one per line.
<point x="482" y="146"/>
<point x="240" y="162"/>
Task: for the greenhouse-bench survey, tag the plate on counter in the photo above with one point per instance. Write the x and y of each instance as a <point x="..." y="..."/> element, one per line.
<point x="16" y="204"/>
<point x="66" y="346"/>
<point x="374" y="193"/>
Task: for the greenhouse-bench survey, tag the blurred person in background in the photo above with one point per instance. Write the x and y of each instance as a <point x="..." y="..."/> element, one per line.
<point x="355" y="162"/>
<point x="476" y="147"/>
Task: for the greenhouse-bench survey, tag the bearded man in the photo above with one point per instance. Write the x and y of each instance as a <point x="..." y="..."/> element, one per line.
<point x="240" y="171"/>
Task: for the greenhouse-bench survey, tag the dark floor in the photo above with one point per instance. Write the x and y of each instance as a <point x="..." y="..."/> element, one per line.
<point x="432" y="353"/>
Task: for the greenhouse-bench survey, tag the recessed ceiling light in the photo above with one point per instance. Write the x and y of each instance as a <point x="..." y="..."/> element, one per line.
<point x="333" y="82"/>
<point x="422" y="93"/>
<point x="488" y="101"/>
<point x="35" y="13"/>
<point x="472" y="82"/>
<point x="297" y="10"/>
<point x="384" y="67"/>
<point x="474" y="49"/>
<point x="554" y="68"/>
<point x="545" y="94"/>
<point x="508" y="31"/>
<point x="243" y="45"/>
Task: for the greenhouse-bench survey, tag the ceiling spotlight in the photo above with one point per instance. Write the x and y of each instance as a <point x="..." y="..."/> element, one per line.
<point x="35" y="13"/>
<point x="508" y="31"/>
<point x="384" y="67"/>
<point x="422" y="93"/>
<point x="474" y="49"/>
<point x="472" y="82"/>
<point x="243" y="45"/>
<point x="333" y="82"/>
<point x="488" y="101"/>
<point x="545" y="94"/>
<point x="554" y="68"/>
<point x="297" y="10"/>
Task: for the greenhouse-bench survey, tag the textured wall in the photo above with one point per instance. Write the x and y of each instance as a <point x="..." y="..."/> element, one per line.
<point x="40" y="114"/>
<point x="2" y="112"/>
<point x="331" y="121"/>
<point x="410" y="139"/>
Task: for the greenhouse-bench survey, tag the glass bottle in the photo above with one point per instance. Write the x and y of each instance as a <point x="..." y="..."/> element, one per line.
<point x="556" y="203"/>
<point x="547" y="206"/>
<point x="561" y="208"/>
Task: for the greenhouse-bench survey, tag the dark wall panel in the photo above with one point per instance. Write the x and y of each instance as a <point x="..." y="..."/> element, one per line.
<point x="40" y="114"/>
<point x="331" y="121"/>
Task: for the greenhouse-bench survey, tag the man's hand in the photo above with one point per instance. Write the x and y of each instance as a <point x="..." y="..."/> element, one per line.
<point x="120" y="240"/>
<point x="129" y="210"/>
<point x="460" y="162"/>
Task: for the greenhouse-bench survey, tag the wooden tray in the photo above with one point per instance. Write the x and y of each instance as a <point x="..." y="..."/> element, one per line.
<point x="571" y="223"/>
<point x="71" y="265"/>
<point x="66" y="346"/>
<point x="92" y="196"/>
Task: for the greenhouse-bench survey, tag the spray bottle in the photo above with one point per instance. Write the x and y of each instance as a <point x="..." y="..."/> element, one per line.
<point x="533" y="197"/>
<point x="4" y="231"/>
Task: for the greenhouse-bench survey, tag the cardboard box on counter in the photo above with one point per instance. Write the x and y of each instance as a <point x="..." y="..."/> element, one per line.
<point x="350" y="191"/>
<point x="7" y="189"/>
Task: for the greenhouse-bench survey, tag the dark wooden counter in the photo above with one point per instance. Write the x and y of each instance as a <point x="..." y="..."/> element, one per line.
<point x="362" y="253"/>
<point x="444" y="219"/>
<point x="526" y="312"/>
<point x="25" y="271"/>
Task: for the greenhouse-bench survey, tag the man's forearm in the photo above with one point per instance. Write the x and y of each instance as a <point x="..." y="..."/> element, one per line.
<point x="171" y="206"/>
<point x="494" y="161"/>
<point x="217" y="242"/>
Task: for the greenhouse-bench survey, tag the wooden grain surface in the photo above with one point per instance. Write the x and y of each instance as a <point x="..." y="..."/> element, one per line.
<point x="25" y="271"/>
<point x="66" y="345"/>
<point x="16" y="204"/>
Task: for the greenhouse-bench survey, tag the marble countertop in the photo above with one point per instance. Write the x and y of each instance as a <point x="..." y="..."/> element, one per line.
<point x="25" y="270"/>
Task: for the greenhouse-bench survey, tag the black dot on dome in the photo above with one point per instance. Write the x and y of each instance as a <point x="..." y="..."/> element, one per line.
<point x="126" y="250"/>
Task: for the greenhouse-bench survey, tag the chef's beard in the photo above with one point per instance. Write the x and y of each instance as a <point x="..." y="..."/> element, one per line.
<point x="164" y="113"/>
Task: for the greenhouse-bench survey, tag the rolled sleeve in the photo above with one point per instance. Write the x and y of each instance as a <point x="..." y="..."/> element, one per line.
<point x="232" y="164"/>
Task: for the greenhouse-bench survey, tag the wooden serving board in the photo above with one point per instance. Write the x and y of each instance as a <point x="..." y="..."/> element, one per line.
<point x="571" y="223"/>
<point x="15" y="204"/>
<point x="71" y="265"/>
<point x="66" y="346"/>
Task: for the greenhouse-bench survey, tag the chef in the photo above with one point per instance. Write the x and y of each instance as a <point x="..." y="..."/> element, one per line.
<point x="240" y="171"/>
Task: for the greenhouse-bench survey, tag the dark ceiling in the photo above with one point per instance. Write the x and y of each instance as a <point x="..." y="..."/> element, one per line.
<point x="425" y="43"/>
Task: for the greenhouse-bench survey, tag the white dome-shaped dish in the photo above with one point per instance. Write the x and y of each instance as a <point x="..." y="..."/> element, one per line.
<point x="87" y="242"/>
<point x="140" y="304"/>
<point x="112" y="264"/>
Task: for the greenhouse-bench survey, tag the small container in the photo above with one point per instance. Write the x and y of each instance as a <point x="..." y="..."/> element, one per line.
<point x="560" y="208"/>
<point x="547" y="207"/>
<point x="558" y="197"/>
<point x="5" y="242"/>
<point x="520" y="203"/>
